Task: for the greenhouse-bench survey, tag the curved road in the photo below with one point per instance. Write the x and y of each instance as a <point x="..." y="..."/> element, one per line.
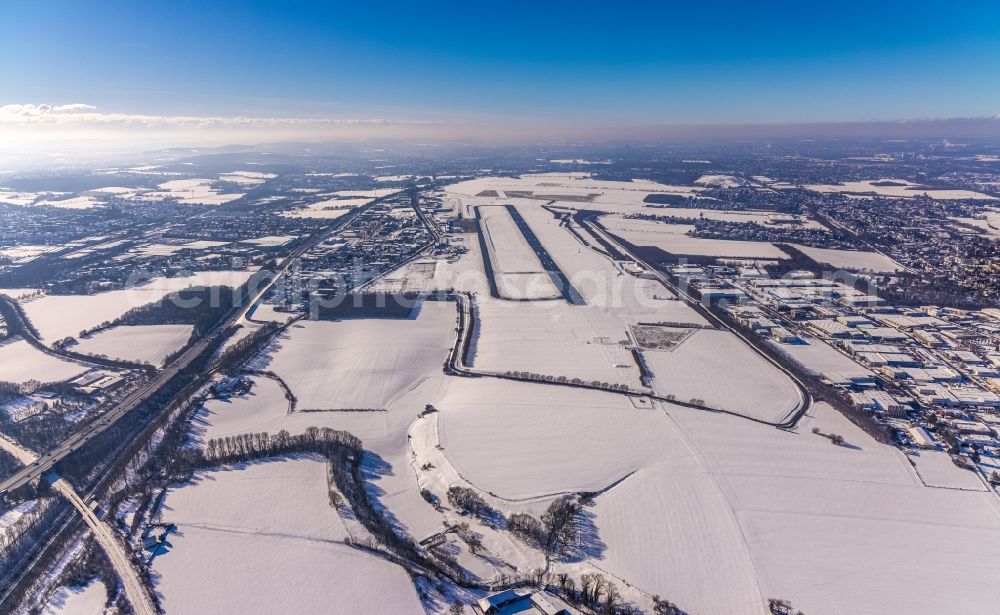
<point x="135" y="590"/>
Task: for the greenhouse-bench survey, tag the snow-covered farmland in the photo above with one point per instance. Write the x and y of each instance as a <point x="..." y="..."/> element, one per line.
<point x="247" y="178"/>
<point x="851" y="259"/>
<point x="23" y="254"/>
<point x="141" y="343"/>
<point x="551" y="339"/>
<point x="86" y="600"/>
<point x="820" y="358"/>
<point x="192" y="192"/>
<point x="21" y="362"/>
<point x="899" y="188"/>
<point x="76" y="202"/>
<point x="17" y="198"/>
<point x="936" y="469"/>
<point x="673" y="238"/>
<point x="519" y="441"/>
<point x="766" y="218"/>
<point x="165" y="249"/>
<point x="361" y="364"/>
<point x="567" y="188"/>
<point x="271" y="241"/>
<point x="263" y="538"/>
<point x="988" y="223"/>
<point x="255" y="412"/>
<point x="374" y="193"/>
<point x="720" y="181"/>
<point x="811" y="511"/>
<point x="59" y="316"/>
<point x="722" y="370"/>
<point x="330" y="209"/>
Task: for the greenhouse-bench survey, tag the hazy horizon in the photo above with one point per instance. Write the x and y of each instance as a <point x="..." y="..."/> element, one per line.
<point x="128" y="78"/>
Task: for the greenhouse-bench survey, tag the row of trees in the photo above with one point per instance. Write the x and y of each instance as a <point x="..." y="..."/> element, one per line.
<point x="597" y="384"/>
<point x="331" y="443"/>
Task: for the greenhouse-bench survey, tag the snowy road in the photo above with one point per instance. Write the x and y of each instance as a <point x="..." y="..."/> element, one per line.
<point x="136" y="592"/>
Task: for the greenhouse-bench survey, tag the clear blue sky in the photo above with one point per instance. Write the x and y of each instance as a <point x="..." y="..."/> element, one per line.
<point x="653" y="62"/>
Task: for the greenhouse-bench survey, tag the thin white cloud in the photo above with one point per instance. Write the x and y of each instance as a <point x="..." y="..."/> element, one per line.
<point x="80" y="114"/>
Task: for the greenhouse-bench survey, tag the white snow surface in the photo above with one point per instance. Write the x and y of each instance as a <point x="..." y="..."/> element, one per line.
<point x="86" y="600"/>
<point x="264" y="539"/>
<point x="59" y="316"/>
<point x="361" y="363"/>
<point x="142" y="343"/>
<point x="719" y="368"/>
<point x="21" y="362"/>
<point x="851" y="259"/>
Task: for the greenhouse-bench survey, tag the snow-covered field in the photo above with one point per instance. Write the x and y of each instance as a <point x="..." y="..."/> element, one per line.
<point x="543" y="185"/>
<point x="23" y="254"/>
<point x="263" y="538"/>
<point x="820" y="358"/>
<point x="191" y="192"/>
<point x="899" y="188"/>
<point x="247" y="178"/>
<point x="142" y="343"/>
<point x="672" y="238"/>
<point x="59" y="316"/>
<point x="936" y="469"/>
<point x="86" y="600"/>
<point x="165" y="249"/>
<point x="719" y="368"/>
<point x="330" y="209"/>
<point x="739" y="217"/>
<point x="260" y="410"/>
<point x="76" y="202"/>
<point x="21" y="362"/>
<point x="851" y="259"/>
<point x="552" y="339"/>
<point x="520" y="441"/>
<point x="720" y="181"/>
<point x="361" y="364"/>
<point x="989" y="223"/>
<point x="835" y="529"/>
<point x="17" y="198"/>
<point x="270" y="241"/>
